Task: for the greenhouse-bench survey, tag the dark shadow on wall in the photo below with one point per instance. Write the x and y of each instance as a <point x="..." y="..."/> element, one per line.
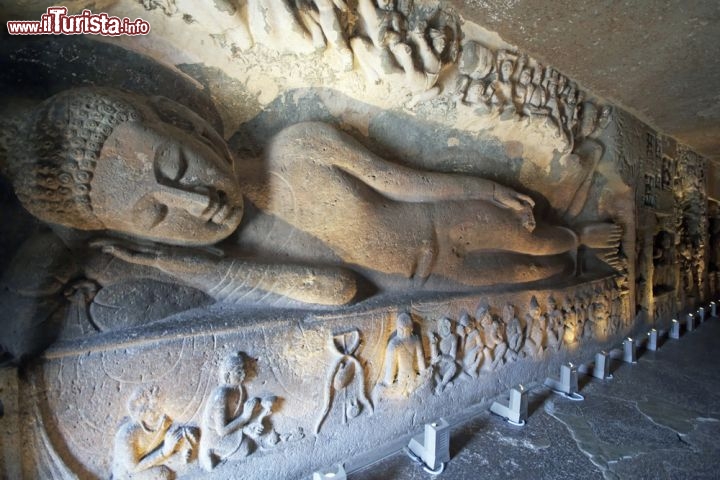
<point x="39" y="67"/>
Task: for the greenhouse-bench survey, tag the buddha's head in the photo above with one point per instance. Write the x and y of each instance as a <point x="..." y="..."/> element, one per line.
<point x="144" y="167"/>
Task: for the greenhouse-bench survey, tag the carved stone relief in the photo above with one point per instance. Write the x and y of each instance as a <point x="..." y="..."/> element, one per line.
<point x="233" y="426"/>
<point x="346" y="380"/>
<point x="405" y="367"/>
<point x="184" y="194"/>
<point x="443" y="355"/>
<point x="147" y="440"/>
<point x="468" y="209"/>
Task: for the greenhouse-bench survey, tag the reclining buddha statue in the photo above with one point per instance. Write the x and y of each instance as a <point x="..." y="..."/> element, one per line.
<point x="317" y="220"/>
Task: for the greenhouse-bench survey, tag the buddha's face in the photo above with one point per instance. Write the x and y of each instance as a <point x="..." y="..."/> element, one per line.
<point x="156" y="182"/>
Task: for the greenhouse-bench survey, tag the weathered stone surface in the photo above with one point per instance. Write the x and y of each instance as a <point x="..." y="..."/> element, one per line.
<point x="258" y="263"/>
<point x="633" y="54"/>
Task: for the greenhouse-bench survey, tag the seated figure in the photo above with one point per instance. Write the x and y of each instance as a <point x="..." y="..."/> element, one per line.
<point x="147" y="439"/>
<point x="318" y="220"/>
<point x="404" y="357"/>
<point x="229" y="418"/>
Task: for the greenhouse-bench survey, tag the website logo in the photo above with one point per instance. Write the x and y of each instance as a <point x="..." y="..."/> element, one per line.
<point x="56" y="21"/>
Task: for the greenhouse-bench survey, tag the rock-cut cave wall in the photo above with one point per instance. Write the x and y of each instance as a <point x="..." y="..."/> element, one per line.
<point x="264" y="237"/>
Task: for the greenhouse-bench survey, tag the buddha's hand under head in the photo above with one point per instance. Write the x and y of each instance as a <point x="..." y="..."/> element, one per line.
<point x="129" y="252"/>
<point x="208" y="270"/>
<point x="522" y="204"/>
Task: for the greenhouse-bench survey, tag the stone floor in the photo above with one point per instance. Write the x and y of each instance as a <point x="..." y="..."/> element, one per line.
<point x="656" y="419"/>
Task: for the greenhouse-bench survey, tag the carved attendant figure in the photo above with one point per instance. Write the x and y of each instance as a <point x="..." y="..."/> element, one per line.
<point x="502" y="88"/>
<point x="443" y="352"/>
<point x="555" y="327"/>
<point x="572" y="332"/>
<point x="404" y="358"/>
<point x="472" y="346"/>
<point x="514" y="331"/>
<point x="495" y="345"/>
<point x="535" y="329"/>
<point x="229" y="418"/>
<point x="147" y="439"/>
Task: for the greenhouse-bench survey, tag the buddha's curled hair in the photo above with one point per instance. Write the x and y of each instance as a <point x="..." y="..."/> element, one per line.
<point x="51" y="153"/>
<point x="53" y="157"/>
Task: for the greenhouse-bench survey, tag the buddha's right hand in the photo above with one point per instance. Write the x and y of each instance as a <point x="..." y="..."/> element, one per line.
<point x="128" y="252"/>
<point x="170" y="259"/>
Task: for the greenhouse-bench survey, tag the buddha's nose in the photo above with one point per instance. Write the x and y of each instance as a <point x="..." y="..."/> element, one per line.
<point x="195" y="203"/>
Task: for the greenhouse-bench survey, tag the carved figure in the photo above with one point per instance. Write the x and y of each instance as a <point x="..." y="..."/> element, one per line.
<point x="523" y="93"/>
<point x="443" y="354"/>
<point x="581" y="311"/>
<point x="600" y="320"/>
<point x="589" y="150"/>
<point x="478" y="93"/>
<point x="288" y="27"/>
<point x="148" y="169"/>
<point x="430" y="53"/>
<point x="346" y="379"/>
<point x="471" y="345"/>
<point x="615" y="313"/>
<point x="404" y="357"/>
<point x="420" y="81"/>
<point x="591" y="315"/>
<point x="663" y="263"/>
<point x="699" y="267"/>
<point x="377" y="29"/>
<point x="475" y="64"/>
<point x="376" y="22"/>
<point x="538" y="97"/>
<point x="686" y="270"/>
<point x="230" y="421"/>
<point x="493" y="338"/>
<point x="514" y="330"/>
<point x="535" y="329"/>
<point x="320" y="17"/>
<point x="555" y="329"/>
<point x="601" y="312"/>
<point x="552" y="105"/>
<point x="502" y="88"/>
<point x="572" y="329"/>
<point x="147" y="439"/>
